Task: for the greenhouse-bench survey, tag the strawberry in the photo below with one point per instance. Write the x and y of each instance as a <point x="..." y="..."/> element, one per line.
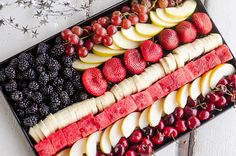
<point x="168" y="39"/>
<point x="134" y="61"/>
<point x="114" y="71"/>
<point x="202" y="22"/>
<point x="186" y="32"/>
<point x="94" y="82"/>
<point x="151" y="51"/>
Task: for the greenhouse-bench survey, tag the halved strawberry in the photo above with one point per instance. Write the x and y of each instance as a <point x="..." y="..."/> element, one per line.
<point x="134" y="61"/>
<point x="151" y="51"/>
<point x="186" y="31"/>
<point x="94" y="82"/>
<point x="114" y="71"/>
<point x="202" y="22"/>
<point x="168" y="39"/>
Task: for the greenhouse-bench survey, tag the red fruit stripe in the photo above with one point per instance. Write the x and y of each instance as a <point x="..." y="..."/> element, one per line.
<point x="87" y="125"/>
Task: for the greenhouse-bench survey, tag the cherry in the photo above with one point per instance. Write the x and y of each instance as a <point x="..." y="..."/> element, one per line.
<point x="231" y="99"/>
<point x="130" y="153"/>
<point x="232" y="86"/>
<point x="135" y="7"/>
<point x="145" y="149"/>
<point x="193" y="122"/>
<point x="136" y="136"/>
<point x="222" y="90"/>
<point x="212" y="97"/>
<point x="158" y="139"/>
<point x="97" y="39"/>
<point x="146" y="141"/>
<point x="119" y="150"/>
<point x="148" y="131"/>
<point x="73" y="39"/>
<point x="77" y="30"/>
<point x="134" y="147"/>
<point x="179" y="113"/>
<point x="222" y="102"/>
<point x="99" y="153"/>
<point x="170" y="132"/>
<point x="143" y="17"/>
<point x="133" y="18"/>
<point x="96" y="26"/>
<point x="161" y="125"/>
<point x="171" y="3"/>
<point x="116" y="20"/>
<point x="66" y="33"/>
<point x="223" y="82"/>
<point x="231" y="78"/>
<point x="111" y="30"/>
<point x="188" y="111"/>
<point x="191" y="102"/>
<point x="210" y="107"/>
<point x="82" y="52"/>
<point x="125" y="9"/>
<point x="70" y="50"/>
<point x="107" y="40"/>
<point x="89" y="44"/>
<point x="169" y="119"/>
<point x="126" y="23"/>
<point x="180" y="125"/>
<point x="123" y="141"/>
<point x="203" y="115"/>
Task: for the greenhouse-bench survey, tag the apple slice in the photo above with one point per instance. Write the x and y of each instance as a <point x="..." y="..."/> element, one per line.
<point x="91" y="143"/>
<point x="143" y="119"/>
<point x="219" y="72"/>
<point x="78" y="149"/>
<point x="162" y="15"/>
<point x="114" y="46"/>
<point x="65" y="152"/>
<point x="148" y="29"/>
<point x="155" y="112"/>
<point x="123" y="42"/>
<point x="182" y="96"/>
<point x="130" y="123"/>
<point x="182" y="11"/>
<point x="115" y="133"/>
<point x="101" y="50"/>
<point x="169" y="103"/>
<point x="204" y="83"/>
<point x="94" y="59"/>
<point x="131" y="34"/>
<point x="105" y="143"/>
<point x="157" y="21"/>
<point x="194" y="89"/>
<point x="79" y="65"/>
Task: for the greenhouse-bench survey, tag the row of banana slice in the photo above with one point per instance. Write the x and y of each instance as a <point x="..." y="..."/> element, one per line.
<point x="125" y="88"/>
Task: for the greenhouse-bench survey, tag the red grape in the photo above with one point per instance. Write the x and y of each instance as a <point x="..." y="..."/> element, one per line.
<point x="133" y="18"/>
<point x="66" y="33"/>
<point x="107" y="40"/>
<point x="82" y="52"/>
<point x="70" y="50"/>
<point x="143" y="9"/>
<point x="94" y="22"/>
<point x="116" y="20"/>
<point x="77" y="30"/>
<point x="116" y="13"/>
<point x="111" y="30"/>
<point x="135" y="8"/>
<point x="96" y="26"/>
<point x="97" y="39"/>
<point x="101" y="32"/>
<point x="126" y="23"/>
<point x="73" y="39"/>
<point x="89" y="44"/>
<point x="80" y="43"/>
<point x="125" y="9"/>
<point x="143" y="18"/>
<point x="147" y="3"/>
<point x="104" y="21"/>
<point x="87" y="30"/>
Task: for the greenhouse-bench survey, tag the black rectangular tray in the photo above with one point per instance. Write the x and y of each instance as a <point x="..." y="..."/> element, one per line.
<point x="118" y="6"/>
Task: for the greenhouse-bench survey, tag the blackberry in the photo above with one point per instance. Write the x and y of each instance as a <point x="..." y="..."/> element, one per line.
<point x="44" y="110"/>
<point x="67" y="73"/>
<point x="46" y="90"/>
<point x="33" y="109"/>
<point x="11" y="86"/>
<point x="2" y="75"/>
<point x="20" y="113"/>
<point x="13" y="63"/>
<point x="77" y="82"/>
<point x="54" y="107"/>
<point x="58" y="81"/>
<point x="52" y="74"/>
<point x="58" y="88"/>
<point x="53" y="64"/>
<point x="69" y="88"/>
<point x="42" y="48"/>
<point x="40" y="69"/>
<point x="33" y="85"/>
<point x="24" y="56"/>
<point x="81" y="96"/>
<point x="43" y="78"/>
<point x="66" y="61"/>
<point x="29" y="74"/>
<point x="57" y="50"/>
<point x="41" y="59"/>
<point x="23" y="65"/>
<point x="20" y="76"/>
<point x="16" y="96"/>
<point x="27" y="93"/>
<point x="54" y="97"/>
<point x="30" y="121"/>
<point x="65" y="99"/>
<point x="37" y="97"/>
<point x="23" y="104"/>
<point x="22" y="84"/>
<point x="58" y="40"/>
<point x="10" y="72"/>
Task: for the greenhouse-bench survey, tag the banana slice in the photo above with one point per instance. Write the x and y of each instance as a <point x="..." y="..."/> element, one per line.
<point x="170" y="60"/>
<point x="146" y="78"/>
<point x="139" y="82"/>
<point x="208" y="44"/>
<point x="99" y="103"/>
<point x="159" y="70"/>
<point x="125" y="87"/>
<point x="33" y="134"/>
<point x="63" y="117"/>
<point x="198" y="46"/>
<point x="38" y="131"/>
<point x="72" y="113"/>
<point x="179" y="60"/>
<point x="107" y="99"/>
<point x="44" y="129"/>
<point x="132" y="85"/>
<point x="53" y="122"/>
<point x="165" y="66"/>
<point x="183" y="52"/>
<point x="49" y="125"/>
<point x="191" y="51"/>
<point x="117" y="92"/>
<point x="218" y="38"/>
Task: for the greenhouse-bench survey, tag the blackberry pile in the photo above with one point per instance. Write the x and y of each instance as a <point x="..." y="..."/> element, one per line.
<point x="41" y="82"/>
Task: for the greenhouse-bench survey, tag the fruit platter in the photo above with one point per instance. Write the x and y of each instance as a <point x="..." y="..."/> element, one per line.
<point x="126" y="82"/>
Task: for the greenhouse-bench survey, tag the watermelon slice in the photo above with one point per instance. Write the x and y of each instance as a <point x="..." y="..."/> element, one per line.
<point x="193" y="68"/>
<point x="212" y="59"/>
<point x="45" y="148"/>
<point x="223" y="53"/>
<point x="179" y="78"/>
<point x="87" y="125"/>
<point x="142" y="99"/>
<point x="72" y="133"/>
<point x="167" y="84"/>
<point x="155" y="91"/>
<point x="58" y="140"/>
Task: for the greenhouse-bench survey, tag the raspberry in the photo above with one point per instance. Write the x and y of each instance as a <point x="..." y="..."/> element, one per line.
<point x="10" y="72"/>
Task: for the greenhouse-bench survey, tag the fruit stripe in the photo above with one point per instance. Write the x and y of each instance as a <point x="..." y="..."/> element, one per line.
<point x="130" y="104"/>
<point x="131" y="85"/>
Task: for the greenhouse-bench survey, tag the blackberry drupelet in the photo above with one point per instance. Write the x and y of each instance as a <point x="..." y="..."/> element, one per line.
<point x="43" y="78"/>
<point x="30" y="121"/>
<point x="19" y="76"/>
<point x="57" y="50"/>
<point x="52" y="74"/>
<point x="65" y="99"/>
<point x="46" y="90"/>
<point x="58" y="81"/>
<point x="66" y="61"/>
<point x="16" y="96"/>
<point x="11" y="86"/>
<point x="67" y="73"/>
<point x="42" y="48"/>
<point x="53" y="64"/>
<point x="37" y="97"/>
<point x="29" y="74"/>
<point x="13" y="63"/>
<point x="54" y="97"/>
<point x="58" y="88"/>
<point x="69" y="88"/>
<point x="33" y="109"/>
<point x="10" y="72"/>
<point x="23" y="65"/>
<point x="33" y="85"/>
<point x="41" y="59"/>
<point x="44" y="110"/>
<point x="27" y="93"/>
<point x="23" y="104"/>
<point x="40" y="69"/>
<point x="2" y="75"/>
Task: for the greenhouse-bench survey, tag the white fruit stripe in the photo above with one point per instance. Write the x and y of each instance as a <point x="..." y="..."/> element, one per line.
<point x="101" y="50"/>
<point x="148" y="29"/>
<point x="157" y="21"/>
<point x="132" y="35"/>
<point x="79" y="65"/>
<point x="162" y="15"/>
<point x="204" y="83"/>
<point x="94" y="59"/>
<point x="33" y="134"/>
<point x="182" y="96"/>
<point x="117" y="92"/>
<point x="194" y="89"/>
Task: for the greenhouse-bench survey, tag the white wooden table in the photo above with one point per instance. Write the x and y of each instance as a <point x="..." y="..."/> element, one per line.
<point x="217" y="138"/>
